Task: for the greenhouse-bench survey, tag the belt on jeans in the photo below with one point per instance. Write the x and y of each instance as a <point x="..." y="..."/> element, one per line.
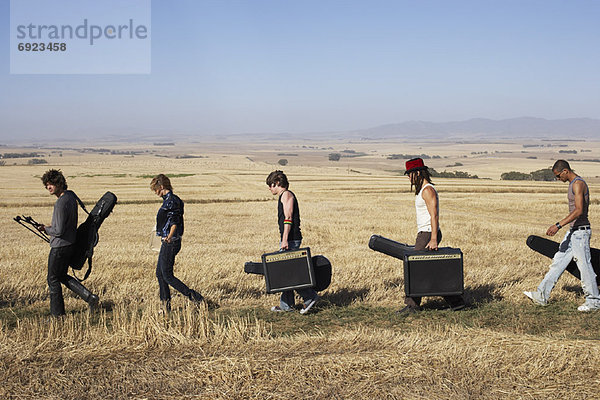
<point x="581" y="228"/>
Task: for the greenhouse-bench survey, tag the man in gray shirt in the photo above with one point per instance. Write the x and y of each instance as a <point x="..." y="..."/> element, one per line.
<point x="63" y="233"/>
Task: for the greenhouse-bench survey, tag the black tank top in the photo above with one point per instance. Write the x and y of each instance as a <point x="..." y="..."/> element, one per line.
<point x="295" y="233"/>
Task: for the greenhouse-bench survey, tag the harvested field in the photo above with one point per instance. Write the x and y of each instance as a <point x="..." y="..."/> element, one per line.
<point x="353" y="346"/>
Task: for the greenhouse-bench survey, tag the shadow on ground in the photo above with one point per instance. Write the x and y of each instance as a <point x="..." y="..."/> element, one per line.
<point x="486" y="293"/>
<point x="228" y="290"/>
<point x="343" y="297"/>
<point x="573" y="289"/>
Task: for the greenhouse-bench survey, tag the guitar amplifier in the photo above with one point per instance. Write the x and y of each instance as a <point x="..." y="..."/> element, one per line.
<point x="321" y="267"/>
<point x="288" y="270"/>
<point x="433" y="273"/>
<point x="426" y="273"/>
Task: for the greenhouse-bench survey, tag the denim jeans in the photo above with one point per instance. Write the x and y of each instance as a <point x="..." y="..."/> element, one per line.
<point x="287" y="300"/>
<point x="164" y="270"/>
<point x="574" y="246"/>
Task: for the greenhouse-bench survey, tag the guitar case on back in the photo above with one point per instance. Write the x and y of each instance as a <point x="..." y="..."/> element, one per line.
<point x="87" y="232"/>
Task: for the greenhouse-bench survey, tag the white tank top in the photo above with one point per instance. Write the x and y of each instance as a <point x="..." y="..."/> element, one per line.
<point x="423" y="217"/>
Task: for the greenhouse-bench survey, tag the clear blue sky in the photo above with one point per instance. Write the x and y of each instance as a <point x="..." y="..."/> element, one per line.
<point x="324" y="65"/>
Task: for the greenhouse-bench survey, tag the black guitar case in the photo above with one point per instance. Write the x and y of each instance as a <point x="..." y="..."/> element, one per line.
<point x="87" y="232"/>
<point x="549" y="247"/>
<point x="389" y="247"/>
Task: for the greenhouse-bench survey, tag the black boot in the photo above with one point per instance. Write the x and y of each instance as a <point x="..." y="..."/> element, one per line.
<point x="195" y="296"/>
<point x="57" y="304"/>
<point x="165" y="307"/>
<point x="456" y="303"/>
<point x="82" y="292"/>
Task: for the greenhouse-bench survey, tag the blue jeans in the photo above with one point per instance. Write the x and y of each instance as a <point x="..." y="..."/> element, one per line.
<point x="574" y="246"/>
<point x="287" y="300"/>
<point x="164" y="270"/>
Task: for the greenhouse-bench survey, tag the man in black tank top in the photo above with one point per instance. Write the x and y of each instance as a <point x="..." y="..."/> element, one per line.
<point x="575" y="244"/>
<point x="288" y="218"/>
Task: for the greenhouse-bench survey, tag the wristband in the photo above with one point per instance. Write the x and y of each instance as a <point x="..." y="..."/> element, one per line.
<point x="287" y="221"/>
<point x="558" y="225"/>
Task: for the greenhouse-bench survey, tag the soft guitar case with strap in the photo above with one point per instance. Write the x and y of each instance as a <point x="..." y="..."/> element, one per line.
<point x="549" y="247"/>
<point x="87" y="232"/>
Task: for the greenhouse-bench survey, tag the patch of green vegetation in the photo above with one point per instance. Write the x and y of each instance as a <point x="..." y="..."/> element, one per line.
<point x="410" y="156"/>
<point x="545" y="174"/>
<point x="169" y="175"/>
<point x="452" y="174"/>
<point x="97" y="175"/>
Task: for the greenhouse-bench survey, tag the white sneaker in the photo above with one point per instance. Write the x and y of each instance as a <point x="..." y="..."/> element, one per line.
<point x="587" y="308"/>
<point x="536" y="297"/>
<point x="279" y="309"/>
<point x="309" y="305"/>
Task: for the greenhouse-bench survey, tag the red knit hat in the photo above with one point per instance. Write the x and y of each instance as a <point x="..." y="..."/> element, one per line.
<point x="414" y="164"/>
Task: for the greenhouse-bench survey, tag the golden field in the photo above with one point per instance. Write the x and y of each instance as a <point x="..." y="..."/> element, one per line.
<point x="354" y="345"/>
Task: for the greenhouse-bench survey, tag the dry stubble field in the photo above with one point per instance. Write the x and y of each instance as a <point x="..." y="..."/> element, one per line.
<point x="353" y="346"/>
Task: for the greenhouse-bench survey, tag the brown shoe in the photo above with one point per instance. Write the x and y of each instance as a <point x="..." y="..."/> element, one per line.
<point x="409" y="310"/>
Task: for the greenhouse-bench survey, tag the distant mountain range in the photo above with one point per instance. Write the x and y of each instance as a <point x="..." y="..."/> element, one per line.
<point x="483" y="128"/>
<point x="479" y="129"/>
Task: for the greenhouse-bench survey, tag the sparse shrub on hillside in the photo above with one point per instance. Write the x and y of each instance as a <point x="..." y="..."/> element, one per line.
<point x="545" y="174"/>
<point x="452" y="174"/>
<point x="515" y="176"/>
<point x="188" y="156"/>
<point x="20" y="155"/>
<point x="588" y="160"/>
<point x="35" y="161"/>
<point x="334" y="156"/>
<point x="409" y="156"/>
<point x="282" y="162"/>
<point x="352" y="153"/>
<point x="568" y="151"/>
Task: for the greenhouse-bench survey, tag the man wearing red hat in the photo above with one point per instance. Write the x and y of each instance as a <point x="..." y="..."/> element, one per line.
<point x="428" y="209"/>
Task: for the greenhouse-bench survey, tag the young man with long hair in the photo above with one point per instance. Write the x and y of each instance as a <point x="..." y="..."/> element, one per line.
<point x="429" y="234"/>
